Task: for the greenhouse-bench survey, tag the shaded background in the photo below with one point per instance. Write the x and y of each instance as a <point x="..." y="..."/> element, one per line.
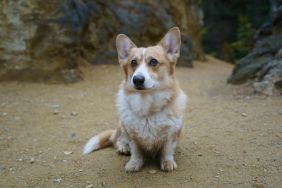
<point x="42" y="41"/>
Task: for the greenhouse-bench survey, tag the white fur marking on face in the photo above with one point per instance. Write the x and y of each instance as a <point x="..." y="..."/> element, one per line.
<point x="143" y="70"/>
<point x="143" y="54"/>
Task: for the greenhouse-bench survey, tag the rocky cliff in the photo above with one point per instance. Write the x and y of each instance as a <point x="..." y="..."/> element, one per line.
<point x="262" y="67"/>
<point x="42" y="41"/>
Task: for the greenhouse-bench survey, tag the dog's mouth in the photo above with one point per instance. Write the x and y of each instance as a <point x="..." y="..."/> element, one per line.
<point x="143" y="88"/>
<point x="139" y="87"/>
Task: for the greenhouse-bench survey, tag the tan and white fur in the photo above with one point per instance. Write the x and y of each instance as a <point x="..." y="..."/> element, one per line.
<point x="150" y="103"/>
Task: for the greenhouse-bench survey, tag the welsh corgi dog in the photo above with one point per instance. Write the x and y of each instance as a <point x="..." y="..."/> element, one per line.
<point x="150" y="104"/>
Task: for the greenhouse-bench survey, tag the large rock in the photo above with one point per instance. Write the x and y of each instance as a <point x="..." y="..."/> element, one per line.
<point x="263" y="65"/>
<point x="43" y="41"/>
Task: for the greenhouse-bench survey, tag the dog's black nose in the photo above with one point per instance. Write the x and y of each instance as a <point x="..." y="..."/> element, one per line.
<point x="138" y="81"/>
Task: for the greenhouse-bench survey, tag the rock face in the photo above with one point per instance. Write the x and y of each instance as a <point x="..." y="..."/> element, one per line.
<point x="47" y="41"/>
<point x="263" y="65"/>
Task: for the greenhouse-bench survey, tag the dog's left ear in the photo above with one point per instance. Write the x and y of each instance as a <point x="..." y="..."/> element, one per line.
<point x="171" y="43"/>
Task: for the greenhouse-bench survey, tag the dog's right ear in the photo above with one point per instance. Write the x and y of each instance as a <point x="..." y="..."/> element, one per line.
<point x="124" y="45"/>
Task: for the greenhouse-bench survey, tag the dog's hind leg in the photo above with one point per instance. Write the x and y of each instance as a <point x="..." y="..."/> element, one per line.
<point x="122" y="145"/>
<point x="122" y="142"/>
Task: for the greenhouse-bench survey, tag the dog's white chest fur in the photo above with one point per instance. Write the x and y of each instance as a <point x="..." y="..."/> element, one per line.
<point x="147" y="119"/>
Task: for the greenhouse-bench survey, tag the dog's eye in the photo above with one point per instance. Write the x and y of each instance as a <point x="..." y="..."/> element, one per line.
<point x="134" y="63"/>
<point x="153" y="62"/>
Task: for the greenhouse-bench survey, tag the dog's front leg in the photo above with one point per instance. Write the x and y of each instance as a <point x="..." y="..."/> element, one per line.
<point x="136" y="159"/>
<point x="167" y="158"/>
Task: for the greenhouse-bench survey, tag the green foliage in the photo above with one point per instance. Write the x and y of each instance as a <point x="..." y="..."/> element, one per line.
<point x="200" y="2"/>
<point x="244" y="38"/>
<point x="204" y="31"/>
<point x="243" y="42"/>
<point x="230" y="25"/>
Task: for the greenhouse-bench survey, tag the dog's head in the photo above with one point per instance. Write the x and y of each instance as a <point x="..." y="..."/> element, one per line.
<point x="150" y="68"/>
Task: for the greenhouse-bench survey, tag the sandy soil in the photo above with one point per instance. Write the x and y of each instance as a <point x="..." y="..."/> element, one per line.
<point x="230" y="139"/>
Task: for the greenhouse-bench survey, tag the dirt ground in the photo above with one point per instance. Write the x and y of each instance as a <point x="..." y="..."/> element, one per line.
<point x="230" y="139"/>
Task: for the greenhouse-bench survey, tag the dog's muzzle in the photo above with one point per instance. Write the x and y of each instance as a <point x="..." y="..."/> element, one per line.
<point x="138" y="82"/>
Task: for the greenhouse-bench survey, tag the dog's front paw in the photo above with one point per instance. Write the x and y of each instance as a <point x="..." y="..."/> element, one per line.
<point x="123" y="149"/>
<point x="133" y="165"/>
<point x="168" y="165"/>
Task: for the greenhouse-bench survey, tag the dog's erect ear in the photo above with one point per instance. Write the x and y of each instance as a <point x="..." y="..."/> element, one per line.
<point x="124" y="45"/>
<point x="171" y="43"/>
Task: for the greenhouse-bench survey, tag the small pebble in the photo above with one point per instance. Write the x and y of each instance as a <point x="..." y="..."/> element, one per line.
<point x="152" y="171"/>
<point x="89" y="186"/>
<point x="4" y="114"/>
<point x="244" y="114"/>
<point x="73" y="113"/>
<point x="58" y="180"/>
<point x="258" y="159"/>
<point x="68" y="152"/>
<point x="80" y="170"/>
<point x="56" y="111"/>
<point x="32" y="160"/>
<point x="247" y="97"/>
<point x="72" y="135"/>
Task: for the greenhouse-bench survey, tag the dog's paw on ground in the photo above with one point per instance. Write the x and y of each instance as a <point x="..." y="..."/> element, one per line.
<point x="133" y="165"/>
<point x="168" y="165"/>
<point x="123" y="149"/>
